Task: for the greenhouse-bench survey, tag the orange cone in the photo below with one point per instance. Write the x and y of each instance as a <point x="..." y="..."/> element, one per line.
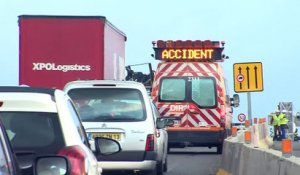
<point x="248" y="137"/>
<point x="255" y="120"/>
<point x="286" y="147"/>
<point x="247" y="123"/>
<point x="233" y="131"/>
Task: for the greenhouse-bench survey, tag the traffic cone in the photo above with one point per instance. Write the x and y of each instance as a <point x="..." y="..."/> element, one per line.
<point x="233" y="131"/>
<point x="247" y="123"/>
<point x="248" y="137"/>
<point x="255" y="120"/>
<point x="287" y="147"/>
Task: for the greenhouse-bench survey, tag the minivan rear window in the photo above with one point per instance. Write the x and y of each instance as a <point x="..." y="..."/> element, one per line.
<point x="109" y="104"/>
<point x="32" y="134"/>
<point x="36" y="132"/>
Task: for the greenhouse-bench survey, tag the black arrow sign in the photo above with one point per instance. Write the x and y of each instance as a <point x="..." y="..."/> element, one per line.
<point x="248" y="78"/>
<point x="240" y="71"/>
<point x="255" y="74"/>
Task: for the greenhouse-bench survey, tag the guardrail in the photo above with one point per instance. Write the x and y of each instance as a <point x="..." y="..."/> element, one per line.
<point x="249" y="152"/>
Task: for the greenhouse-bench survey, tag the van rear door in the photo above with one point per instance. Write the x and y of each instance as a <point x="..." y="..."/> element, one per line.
<point x="192" y="98"/>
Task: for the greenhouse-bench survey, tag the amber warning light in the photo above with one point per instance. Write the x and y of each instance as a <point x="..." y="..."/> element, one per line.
<point x="188" y="50"/>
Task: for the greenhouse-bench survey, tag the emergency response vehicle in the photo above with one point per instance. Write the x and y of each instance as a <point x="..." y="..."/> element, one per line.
<point x="190" y="87"/>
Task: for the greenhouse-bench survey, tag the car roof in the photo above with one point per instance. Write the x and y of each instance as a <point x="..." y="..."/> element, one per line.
<point x="27" y="89"/>
<point x="17" y="98"/>
<point x="103" y="83"/>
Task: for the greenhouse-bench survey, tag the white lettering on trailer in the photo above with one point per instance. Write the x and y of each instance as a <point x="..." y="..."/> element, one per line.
<point x="178" y="108"/>
<point x="63" y="68"/>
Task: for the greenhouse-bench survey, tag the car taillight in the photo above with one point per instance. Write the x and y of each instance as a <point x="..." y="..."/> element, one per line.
<point x="150" y="143"/>
<point x="76" y="156"/>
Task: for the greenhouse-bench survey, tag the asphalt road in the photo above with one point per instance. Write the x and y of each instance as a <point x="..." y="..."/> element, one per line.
<point x="190" y="161"/>
<point x="193" y="161"/>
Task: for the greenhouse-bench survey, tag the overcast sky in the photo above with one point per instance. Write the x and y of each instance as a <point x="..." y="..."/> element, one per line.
<point x="266" y="31"/>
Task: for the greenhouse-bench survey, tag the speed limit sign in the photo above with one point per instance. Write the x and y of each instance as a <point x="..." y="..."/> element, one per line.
<point x="241" y="117"/>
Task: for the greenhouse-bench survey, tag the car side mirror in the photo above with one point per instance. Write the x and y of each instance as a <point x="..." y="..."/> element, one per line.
<point x="235" y="101"/>
<point x="169" y="122"/>
<point x="160" y="123"/>
<point x="163" y="122"/>
<point x="52" y="165"/>
<point x="106" y="146"/>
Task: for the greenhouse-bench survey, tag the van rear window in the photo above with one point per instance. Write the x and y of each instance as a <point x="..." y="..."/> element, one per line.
<point x="109" y="104"/>
<point x="204" y="92"/>
<point x="173" y="89"/>
<point x="200" y="90"/>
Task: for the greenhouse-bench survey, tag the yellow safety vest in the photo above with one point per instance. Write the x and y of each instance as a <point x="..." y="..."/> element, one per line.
<point x="283" y="119"/>
<point x="276" y="120"/>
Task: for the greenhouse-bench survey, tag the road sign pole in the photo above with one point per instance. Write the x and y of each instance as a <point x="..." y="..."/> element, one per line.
<point x="249" y="107"/>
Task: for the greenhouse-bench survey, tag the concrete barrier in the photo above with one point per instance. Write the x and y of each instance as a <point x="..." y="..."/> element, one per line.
<point x="239" y="158"/>
<point x="296" y="148"/>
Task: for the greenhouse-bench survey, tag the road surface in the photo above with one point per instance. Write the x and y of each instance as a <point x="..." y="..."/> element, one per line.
<point x="190" y="161"/>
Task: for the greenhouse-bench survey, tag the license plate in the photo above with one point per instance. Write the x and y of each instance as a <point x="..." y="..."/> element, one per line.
<point x="203" y="124"/>
<point x="115" y="136"/>
<point x="176" y="122"/>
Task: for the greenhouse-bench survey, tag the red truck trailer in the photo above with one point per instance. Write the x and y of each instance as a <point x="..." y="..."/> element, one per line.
<point x="57" y="49"/>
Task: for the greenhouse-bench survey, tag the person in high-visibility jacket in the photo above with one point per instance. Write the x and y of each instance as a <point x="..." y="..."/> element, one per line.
<point x="275" y="121"/>
<point x="283" y="124"/>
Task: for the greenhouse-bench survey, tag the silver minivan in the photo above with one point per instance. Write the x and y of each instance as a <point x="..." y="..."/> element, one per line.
<point x="119" y="110"/>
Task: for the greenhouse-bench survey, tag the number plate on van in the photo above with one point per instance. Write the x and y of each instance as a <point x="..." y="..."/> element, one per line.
<point x="203" y="124"/>
<point x="115" y="136"/>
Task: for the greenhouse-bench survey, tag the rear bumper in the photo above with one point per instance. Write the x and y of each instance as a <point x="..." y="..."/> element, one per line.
<point x="128" y="160"/>
<point x="195" y="137"/>
<point x="128" y="165"/>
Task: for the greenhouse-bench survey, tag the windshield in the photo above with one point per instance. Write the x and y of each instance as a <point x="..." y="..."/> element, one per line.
<point x="106" y="104"/>
<point x="200" y="90"/>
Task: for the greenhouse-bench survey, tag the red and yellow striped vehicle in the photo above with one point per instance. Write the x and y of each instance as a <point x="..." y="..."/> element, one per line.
<point x="190" y="87"/>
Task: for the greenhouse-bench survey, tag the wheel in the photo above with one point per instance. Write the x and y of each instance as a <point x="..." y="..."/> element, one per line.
<point x="220" y="149"/>
<point x="166" y="164"/>
<point x="160" y="168"/>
